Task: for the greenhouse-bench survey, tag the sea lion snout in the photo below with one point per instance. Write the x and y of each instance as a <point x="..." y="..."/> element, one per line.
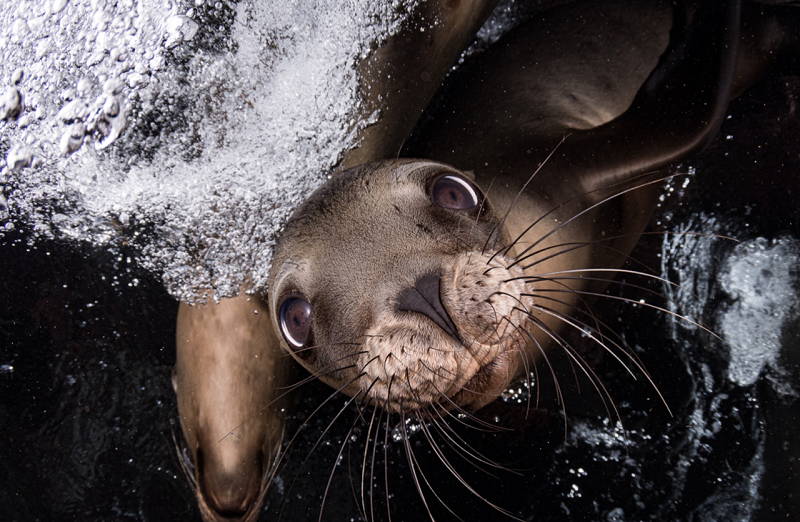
<point x="424" y="298"/>
<point x="461" y="346"/>
<point x="230" y="489"/>
<point x="225" y="373"/>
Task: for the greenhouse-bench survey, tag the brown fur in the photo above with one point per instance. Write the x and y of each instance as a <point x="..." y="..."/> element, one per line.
<point x="226" y="373"/>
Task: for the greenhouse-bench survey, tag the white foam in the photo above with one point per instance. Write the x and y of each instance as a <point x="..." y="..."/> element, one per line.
<point x="761" y="278"/>
<point x="266" y="119"/>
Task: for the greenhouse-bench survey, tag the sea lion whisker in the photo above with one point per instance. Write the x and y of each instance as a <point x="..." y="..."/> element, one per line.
<point x="589" y="332"/>
<point x="563" y="204"/>
<point x="599" y="243"/>
<point x="443" y="459"/>
<point x="600" y="387"/>
<point x="525" y="365"/>
<point x="599" y="326"/>
<point x="652" y="277"/>
<point x="319" y="439"/>
<point x="491" y="427"/>
<point x="422" y="363"/>
<point x="590" y="373"/>
<point x="183" y="462"/>
<point x="519" y="348"/>
<point x="366" y="392"/>
<point x="421" y="419"/>
<point x="361" y="511"/>
<point x="372" y="463"/>
<point x="461" y="452"/>
<point x="462" y="449"/>
<point x="460" y="410"/>
<point x="386" y="450"/>
<point x="621" y="284"/>
<point x="345" y="442"/>
<point x="685" y="318"/>
<point x="412" y="460"/>
<point x="364" y="464"/>
<point x="630" y="355"/>
<point x="288" y="390"/>
<point x="519" y="193"/>
<point x="567" y="247"/>
<point x="584" y="211"/>
<point x="305" y="423"/>
<point x="314" y="376"/>
<point x="549" y="332"/>
<point x="417" y="373"/>
<point x="448" y="432"/>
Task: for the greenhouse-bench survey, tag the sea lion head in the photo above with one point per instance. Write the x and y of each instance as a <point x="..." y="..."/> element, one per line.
<point x="226" y="379"/>
<point x="388" y="284"/>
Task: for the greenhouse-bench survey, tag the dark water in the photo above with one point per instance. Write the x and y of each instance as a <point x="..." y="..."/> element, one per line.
<point x="87" y="412"/>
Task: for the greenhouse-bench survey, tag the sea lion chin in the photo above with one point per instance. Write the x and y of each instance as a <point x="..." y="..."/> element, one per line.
<point x="439" y="324"/>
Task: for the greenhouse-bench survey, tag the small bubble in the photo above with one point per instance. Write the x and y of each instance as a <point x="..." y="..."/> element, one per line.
<point x="17" y="76"/>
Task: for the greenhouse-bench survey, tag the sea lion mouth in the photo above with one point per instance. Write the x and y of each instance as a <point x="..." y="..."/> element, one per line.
<point x="460" y="348"/>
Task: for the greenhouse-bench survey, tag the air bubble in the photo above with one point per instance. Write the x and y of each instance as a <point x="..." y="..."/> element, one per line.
<point x="72" y="139"/>
<point x="59" y="5"/>
<point x="19" y="158"/>
<point x="179" y="29"/>
<point x="10" y="104"/>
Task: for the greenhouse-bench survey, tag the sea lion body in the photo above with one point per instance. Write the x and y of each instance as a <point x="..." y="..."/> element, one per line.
<point x="558" y="131"/>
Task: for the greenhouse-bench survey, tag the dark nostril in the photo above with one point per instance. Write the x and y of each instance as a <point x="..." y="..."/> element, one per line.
<point x="424" y="298"/>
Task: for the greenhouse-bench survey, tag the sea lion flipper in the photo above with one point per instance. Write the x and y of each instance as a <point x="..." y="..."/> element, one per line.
<point x="676" y="112"/>
<point x="401" y="77"/>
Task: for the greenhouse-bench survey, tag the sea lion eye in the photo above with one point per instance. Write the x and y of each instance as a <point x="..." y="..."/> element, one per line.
<point x="453" y="192"/>
<point x="295" y="318"/>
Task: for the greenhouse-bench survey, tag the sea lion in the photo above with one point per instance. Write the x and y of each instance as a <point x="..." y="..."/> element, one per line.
<point x="228" y="371"/>
<point x="400" y="283"/>
<point x="397" y="282"/>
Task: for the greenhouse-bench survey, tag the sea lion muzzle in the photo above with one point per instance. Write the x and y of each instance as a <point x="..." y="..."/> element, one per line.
<point x="423" y="298"/>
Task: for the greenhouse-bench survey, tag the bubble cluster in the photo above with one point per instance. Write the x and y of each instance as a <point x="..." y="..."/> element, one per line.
<point x="188" y="129"/>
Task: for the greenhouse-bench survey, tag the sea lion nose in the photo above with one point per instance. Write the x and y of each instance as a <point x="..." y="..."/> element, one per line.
<point x="424" y="298"/>
<point x="229" y="493"/>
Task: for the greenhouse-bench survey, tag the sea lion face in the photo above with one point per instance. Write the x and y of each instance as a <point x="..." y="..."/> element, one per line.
<point x="383" y="285"/>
